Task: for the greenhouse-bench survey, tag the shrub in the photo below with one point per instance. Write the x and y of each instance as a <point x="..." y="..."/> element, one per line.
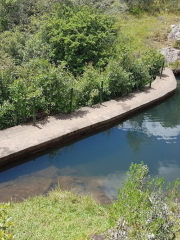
<point x="55" y="84"/>
<point x="138" y="70"/>
<point x="6" y="78"/>
<point x="176" y="67"/>
<point x="78" y="36"/>
<point x="146" y="210"/>
<point x="49" y="85"/>
<point x="88" y="86"/>
<point x="153" y="60"/>
<point x="118" y="79"/>
<point x="12" y="43"/>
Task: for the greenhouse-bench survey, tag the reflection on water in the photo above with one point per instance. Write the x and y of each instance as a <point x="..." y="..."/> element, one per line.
<point x="98" y="164"/>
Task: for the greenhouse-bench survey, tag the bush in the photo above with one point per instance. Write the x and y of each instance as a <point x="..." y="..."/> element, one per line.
<point x="153" y="60"/>
<point x="146" y="210"/>
<point x="118" y="79"/>
<point x="88" y="86"/>
<point x="78" y="36"/>
<point x="12" y="43"/>
<point x="176" y="67"/>
<point x="50" y="86"/>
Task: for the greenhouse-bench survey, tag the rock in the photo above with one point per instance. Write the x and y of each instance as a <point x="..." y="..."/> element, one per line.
<point x="67" y="171"/>
<point x="160" y="18"/>
<point x="23" y="187"/>
<point x="175" y="33"/>
<point x="97" y="237"/>
<point x="83" y="185"/>
<point x="49" y="173"/>
<point x="171" y="54"/>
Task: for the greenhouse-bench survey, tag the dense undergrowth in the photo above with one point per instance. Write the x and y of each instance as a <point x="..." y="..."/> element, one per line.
<point x="145" y="209"/>
<point x="49" y="47"/>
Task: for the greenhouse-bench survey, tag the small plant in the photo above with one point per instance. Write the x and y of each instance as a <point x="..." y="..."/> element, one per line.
<point x="137" y="11"/>
<point x="176" y="66"/>
<point x="176" y="44"/>
<point x="146" y="209"/>
<point x="5" y="223"/>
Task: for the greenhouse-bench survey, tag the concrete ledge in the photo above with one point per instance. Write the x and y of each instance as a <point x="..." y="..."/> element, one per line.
<point x="24" y="140"/>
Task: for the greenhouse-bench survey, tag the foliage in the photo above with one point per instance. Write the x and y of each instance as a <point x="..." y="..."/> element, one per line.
<point x="19" y="12"/>
<point x="176" y="66"/>
<point x="51" y="86"/>
<point x="176" y="44"/>
<point x="152" y="6"/>
<point x="146" y="210"/>
<point x="118" y="79"/>
<point x="12" y="44"/>
<point x="88" y="87"/>
<point x="153" y="60"/>
<point x="34" y="63"/>
<point x="5" y="223"/>
<point x="137" y="11"/>
<point x="78" y="36"/>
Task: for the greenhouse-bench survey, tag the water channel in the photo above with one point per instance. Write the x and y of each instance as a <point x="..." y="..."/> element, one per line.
<point x="98" y="164"/>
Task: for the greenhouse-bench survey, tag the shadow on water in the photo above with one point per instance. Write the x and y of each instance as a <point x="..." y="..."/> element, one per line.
<point x="97" y="163"/>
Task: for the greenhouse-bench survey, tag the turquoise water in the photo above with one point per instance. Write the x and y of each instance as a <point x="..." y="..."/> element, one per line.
<point x="98" y="164"/>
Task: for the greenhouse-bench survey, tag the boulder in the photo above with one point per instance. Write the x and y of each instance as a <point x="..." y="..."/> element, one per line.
<point x="171" y="54"/>
<point x="175" y="33"/>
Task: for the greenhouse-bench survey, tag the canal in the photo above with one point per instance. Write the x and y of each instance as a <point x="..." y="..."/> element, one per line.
<point x="98" y="164"/>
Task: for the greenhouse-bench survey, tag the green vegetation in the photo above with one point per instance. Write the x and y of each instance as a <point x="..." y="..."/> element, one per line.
<point x="47" y="48"/>
<point x="61" y="215"/>
<point x="78" y="36"/>
<point x="144" y="208"/>
<point x="176" y="66"/>
<point x="5" y="223"/>
<point x="176" y="44"/>
<point x="147" y="209"/>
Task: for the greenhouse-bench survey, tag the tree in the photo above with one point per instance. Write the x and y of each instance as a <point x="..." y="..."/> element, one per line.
<point x="79" y="35"/>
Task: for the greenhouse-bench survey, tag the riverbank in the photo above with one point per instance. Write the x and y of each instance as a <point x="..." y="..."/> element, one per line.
<point x="66" y="215"/>
<point x="23" y="140"/>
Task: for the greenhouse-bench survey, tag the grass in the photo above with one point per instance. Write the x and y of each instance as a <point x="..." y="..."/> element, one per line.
<point x="148" y="31"/>
<point x="60" y="215"/>
<point x="176" y="44"/>
<point x="63" y="215"/>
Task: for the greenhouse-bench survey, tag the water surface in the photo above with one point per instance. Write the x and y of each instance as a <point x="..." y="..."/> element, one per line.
<point x="98" y="164"/>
